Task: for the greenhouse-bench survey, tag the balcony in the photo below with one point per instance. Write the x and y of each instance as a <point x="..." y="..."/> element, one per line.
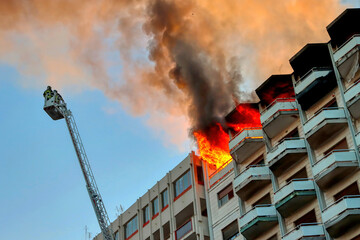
<point x="347" y="50"/>
<point x="285" y="154"/>
<point x="254" y="177"/>
<point x="342" y="215"/>
<point x="324" y="125"/>
<point x="310" y="77"/>
<point x="258" y="220"/>
<point x="334" y="167"/>
<point x="352" y="98"/>
<point x="294" y="195"/>
<point x="278" y="116"/>
<point x="314" y="231"/>
<point x="313" y="71"/>
<point x="246" y="143"/>
<point x="186" y="231"/>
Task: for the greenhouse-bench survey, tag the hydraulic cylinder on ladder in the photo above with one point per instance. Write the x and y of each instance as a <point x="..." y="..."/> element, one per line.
<point x="55" y="107"/>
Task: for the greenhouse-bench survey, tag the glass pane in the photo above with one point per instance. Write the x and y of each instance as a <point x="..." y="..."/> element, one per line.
<point x="183" y="230"/>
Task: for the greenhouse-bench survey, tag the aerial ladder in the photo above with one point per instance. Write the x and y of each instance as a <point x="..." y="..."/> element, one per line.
<point x="55" y="107"/>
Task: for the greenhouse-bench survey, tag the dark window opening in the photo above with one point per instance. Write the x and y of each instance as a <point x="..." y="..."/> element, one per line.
<point x="200" y="176"/>
<point x="258" y="161"/>
<point x="331" y="104"/>
<point x="293" y="134"/>
<point x="203" y="207"/>
<point x="300" y="174"/>
<point x="309" y="217"/>
<point x="264" y="200"/>
<point x="231" y="231"/>
<point x="352" y="189"/>
<point x="340" y="145"/>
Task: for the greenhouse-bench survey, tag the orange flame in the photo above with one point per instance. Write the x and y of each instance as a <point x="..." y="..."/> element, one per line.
<point x="278" y="90"/>
<point x="213" y="145"/>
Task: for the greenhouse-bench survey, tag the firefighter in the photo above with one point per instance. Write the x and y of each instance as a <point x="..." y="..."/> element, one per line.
<point x="58" y="97"/>
<point x="48" y="93"/>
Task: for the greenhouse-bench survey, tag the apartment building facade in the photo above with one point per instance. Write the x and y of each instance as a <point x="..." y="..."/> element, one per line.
<point x="296" y="177"/>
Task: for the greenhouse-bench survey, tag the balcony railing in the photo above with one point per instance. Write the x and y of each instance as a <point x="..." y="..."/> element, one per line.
<point x="304" y="230"/>
<point x="353" y="91"/>
<point x="352" y="98"/>
<point x="347" y="47"/>
<point x="335" y="156"/>
<point x="251" y="171"/>
<point x="309" y="77"/>
<point x="285" y="144"/>
<point x="279" y="105"/>
<point x="299" y="184"/>
<point x="245" y="134"/>
<point x="345" y="203"/>
<point x="251" y="179"/>
<point x="324" y="114"/>
<point x="183" y="230"/>
<point x="265" y="210"/>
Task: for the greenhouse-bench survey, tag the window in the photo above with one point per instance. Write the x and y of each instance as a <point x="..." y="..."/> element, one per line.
<point x="231" y="231"/>
<point x="155" y="207"/>
<point x="146" y="214"/>
<point x="293" y="134"/>
<point x="131" y="227"/>
<point x="117" y="236"/>
<point x="258" y="161"/>
<point x="309" y="217"/>
<point x="300" y="174"/>
<point x="264" y="200"/>
<point x="164" y="199"/>
<point x="340" y="145"/>
<point x="199" y="173"/>
<point x="182" y="183"/>
<point x="352" y="189"/>
<point x="225" y="195"/>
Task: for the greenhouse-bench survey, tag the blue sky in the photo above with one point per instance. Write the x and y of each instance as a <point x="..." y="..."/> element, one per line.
<point x="43" y="191"/>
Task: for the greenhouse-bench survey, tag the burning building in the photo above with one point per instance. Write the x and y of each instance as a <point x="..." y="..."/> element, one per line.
<point x="286" y="167"/>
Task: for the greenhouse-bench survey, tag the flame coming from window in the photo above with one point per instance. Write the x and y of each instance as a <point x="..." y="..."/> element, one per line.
<point x="278" y="90"/>
<point x="246" y="115"/>
<point x="213" y="143"/>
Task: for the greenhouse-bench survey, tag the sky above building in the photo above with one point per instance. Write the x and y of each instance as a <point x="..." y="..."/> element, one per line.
<point x="43" y="190"/>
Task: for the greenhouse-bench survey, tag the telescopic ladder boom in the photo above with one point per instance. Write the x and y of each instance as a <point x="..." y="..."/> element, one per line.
<point x="56" y="108"/>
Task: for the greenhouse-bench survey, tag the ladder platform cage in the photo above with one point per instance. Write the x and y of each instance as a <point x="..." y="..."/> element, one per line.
<point x="53" y="101"/>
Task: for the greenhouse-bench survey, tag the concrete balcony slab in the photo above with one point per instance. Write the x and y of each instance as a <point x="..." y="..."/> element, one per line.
<point x="285" y="154"/>
<point x="334" y="167"/>
<point x="250" y="180"/>
<point x="342" y="215"/>
<point x="258" y="220"/>
<point x="323" y="125"/>
<point x="294" y="195"/>
<point x="279" y="115"/>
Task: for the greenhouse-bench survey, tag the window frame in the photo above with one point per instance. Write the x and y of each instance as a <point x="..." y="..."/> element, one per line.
<point x="131" y="225"/>
<point x="226" y="198"/>
<point x="146" y="214"/>
<point x="155" y="207"/>
<point x="164" y="195"/>
<point x="183" y="185"/>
